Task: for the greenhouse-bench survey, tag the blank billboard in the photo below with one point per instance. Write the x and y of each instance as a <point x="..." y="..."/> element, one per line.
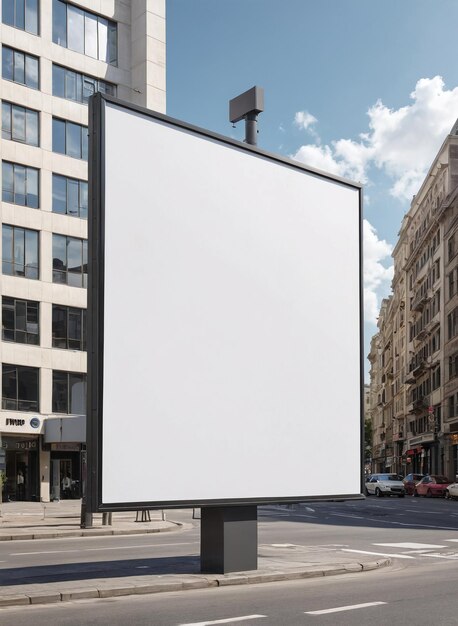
<point x="225" y="313"/>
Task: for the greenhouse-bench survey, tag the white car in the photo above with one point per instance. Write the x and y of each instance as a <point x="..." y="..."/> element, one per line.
<point x="385" y="485"/>
<point x="452" y="490"/>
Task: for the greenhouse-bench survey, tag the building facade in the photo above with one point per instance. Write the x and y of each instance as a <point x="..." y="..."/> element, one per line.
<point x="55" y="54"/>
<point x="414" y="376"/>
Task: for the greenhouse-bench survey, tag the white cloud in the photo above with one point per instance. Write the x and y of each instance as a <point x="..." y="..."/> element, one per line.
<point x="304" y="119"/>
<point x="401" y="142"/>
<point x="377" y="276"/>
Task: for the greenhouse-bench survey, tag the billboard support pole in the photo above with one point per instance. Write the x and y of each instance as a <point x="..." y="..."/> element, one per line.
<point x="228" y="539"/>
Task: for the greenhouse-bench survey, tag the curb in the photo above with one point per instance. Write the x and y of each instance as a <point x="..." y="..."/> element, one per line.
<point x="90" y="532"/>
<point x="120" y="589"/>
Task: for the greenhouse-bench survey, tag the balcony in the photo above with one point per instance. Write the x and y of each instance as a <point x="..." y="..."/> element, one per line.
<point x="419" y="301"/>
<point x="420" y="404"/>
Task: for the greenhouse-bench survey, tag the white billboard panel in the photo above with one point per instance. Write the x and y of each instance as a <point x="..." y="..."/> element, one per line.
<point x="229" y="320"/>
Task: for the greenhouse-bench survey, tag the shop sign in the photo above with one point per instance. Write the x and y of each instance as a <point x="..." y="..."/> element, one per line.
<point x="65" y="447"/>
<point x="21" y="424"/>
<point x="18" y="443"/>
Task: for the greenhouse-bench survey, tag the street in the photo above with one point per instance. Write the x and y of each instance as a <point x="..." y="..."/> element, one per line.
<point x="419" y="534"/>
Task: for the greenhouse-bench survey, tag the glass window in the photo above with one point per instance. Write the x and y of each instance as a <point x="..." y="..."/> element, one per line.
<point x="58" y="135"/>
<point x="84" y="32"/>
<point x="31" y="16"/>
<point x="70" y="139"/>
<point x="31" y="72"/>
<point x="21" y="14"/>
<point x="20" y="184"/>
<point x="73" y="140"/>
<point x="59" y="23"/>
<point x="7" y="182"/>
<point x="59" y="194"/>
<point x="20" y="252"/>
<point x="90" y="35"/>
<point x="20" y="321"/>
<point x="19" y="124"/>
<point x="75" y="28"/>
<point x="68" y="327"/>
<point x="7" y="63"/>
<point x="58" y="81"/>
<point x="78" y="87"/>
<point x="69" y="393"/>
<point x="69" y="261"/>
<point x="20" y="388"/>
<point x="103" y="40"/>
<point x="19" y="67"/>
<point x="8" y="7"/>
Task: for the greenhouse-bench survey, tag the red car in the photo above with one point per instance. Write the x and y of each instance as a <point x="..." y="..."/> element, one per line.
<point x="433" y="485"/>
<point x="410" y="481"/>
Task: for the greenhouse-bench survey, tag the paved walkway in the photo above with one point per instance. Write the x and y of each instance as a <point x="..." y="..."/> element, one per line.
<point x="278" y="562"/>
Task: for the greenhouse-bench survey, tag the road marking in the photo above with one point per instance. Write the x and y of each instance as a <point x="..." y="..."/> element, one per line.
<point x="451" y="557"/>
<point x="384" y="521"/>
<point x="350" y="607"/>
<point x="413" y="546"/>
<point x="351" y="516"/>
<point x="455" y="540"/>
<point x="398" y="556"/>
<point x="229" y="620"/>
<point x="156" y="545"/>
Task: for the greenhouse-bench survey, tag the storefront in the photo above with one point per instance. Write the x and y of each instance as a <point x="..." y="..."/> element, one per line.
<point x="65" y="471"/>
<point x="20" y="457"/>
<point x="64" y="439"/>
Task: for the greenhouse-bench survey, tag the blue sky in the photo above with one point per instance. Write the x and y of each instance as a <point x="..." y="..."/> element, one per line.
<point x="365" y="88"/>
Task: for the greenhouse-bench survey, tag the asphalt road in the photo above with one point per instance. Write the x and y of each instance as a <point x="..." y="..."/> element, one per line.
<point x="424" y="596"/>
<point x="410" y="529"/>
<point x="419" y="534"/>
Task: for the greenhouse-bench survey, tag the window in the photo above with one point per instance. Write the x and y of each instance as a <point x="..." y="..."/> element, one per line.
<point x="451" y="284"/>
<point x="20" y="67"/>
<point x="19" y="124"/>
<point x="21" y="14"/>
<point x="69" y="393"/>
<point x="84" y="32"/>
<point x="69" y="196"/>
<point x="20" y="321"/>
<point x="20" y="388"/>
<point x="69" y="260"/>
<point x="452" y="320"/>
<point x="20" y="251"/>
<point x="68" y="327"/>
<point x="69" y="138"/>
<point x="453" y="365"/>
<point x="436" y="378"/>
<point x="19" y="184"/>
<point x="78" y="87"/>
<point x="451" y="247"/>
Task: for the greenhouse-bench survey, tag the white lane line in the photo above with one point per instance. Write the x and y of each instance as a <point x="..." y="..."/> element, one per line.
<point x="384" y="521"/>
<point x="156" y="545"/>
<point x="455" y="540"/>
<point x="350" y="607"/>
<point x="398" y="556"/>
<point x="450" y="557"/>
<point x="229" y="620"/>
<point x="407" y="545"/>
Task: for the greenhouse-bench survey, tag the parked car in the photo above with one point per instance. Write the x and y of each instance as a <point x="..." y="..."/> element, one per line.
<point x="452" y="490"/>
<point x="432" y="485"/>
<point x="410" y="481"/>
<point x="385" y="485"/>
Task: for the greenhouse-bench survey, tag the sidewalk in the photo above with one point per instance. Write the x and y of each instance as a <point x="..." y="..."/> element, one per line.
<point x="276" y="562"/>
<point x="52" y="520"/>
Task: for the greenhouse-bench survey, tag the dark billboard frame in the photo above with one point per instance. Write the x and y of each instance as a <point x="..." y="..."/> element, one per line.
<point x="95" y="312"/>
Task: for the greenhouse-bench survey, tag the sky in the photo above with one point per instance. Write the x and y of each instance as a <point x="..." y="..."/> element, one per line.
<point x="366" y="89"/>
